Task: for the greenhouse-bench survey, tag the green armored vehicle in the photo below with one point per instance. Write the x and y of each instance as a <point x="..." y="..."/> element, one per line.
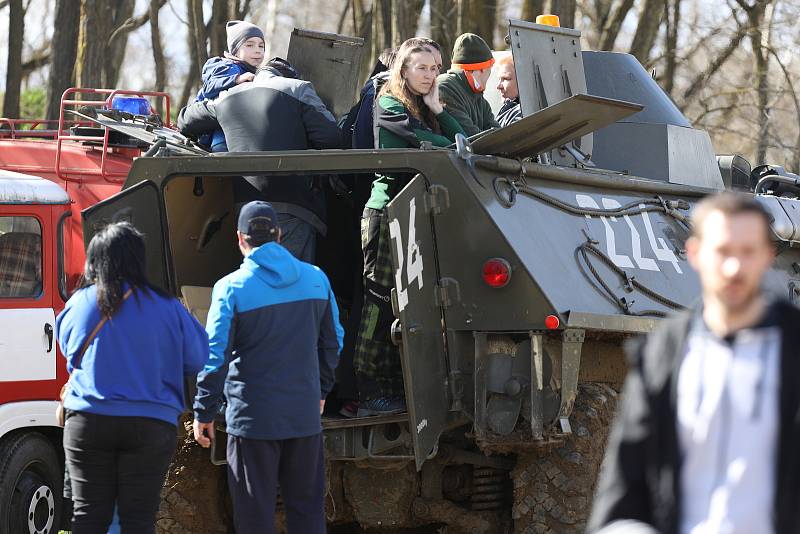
<point x="523" y="259"/>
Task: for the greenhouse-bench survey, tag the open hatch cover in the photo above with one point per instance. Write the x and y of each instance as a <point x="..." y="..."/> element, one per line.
<point x="138" y="128"/>
<point x="554" y="126"/>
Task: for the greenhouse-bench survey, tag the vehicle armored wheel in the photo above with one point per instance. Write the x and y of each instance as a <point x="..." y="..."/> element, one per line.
<point x="553" y="490"/>
<point x="31" y="480"/>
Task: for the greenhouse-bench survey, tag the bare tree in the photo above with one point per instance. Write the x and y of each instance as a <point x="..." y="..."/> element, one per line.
<point x="565" y="9"/>
<point x="613" y="25"/>
<point x="531" y="9"/>
<point x="405" y="19"/>
<point x="16" y="32"/>
<point x="121" y="16"/>
<point x="216" y="27"/>
<point x="647" y="29"/>
<point x="197" y="28"/>
<point x="673" y="17"/>
<point x="65" y="50"/>
<point x="482" y="16"/>
<point x="759" y="15"/>
<point x="158" y="53"/>
<point x="443" y="31"/>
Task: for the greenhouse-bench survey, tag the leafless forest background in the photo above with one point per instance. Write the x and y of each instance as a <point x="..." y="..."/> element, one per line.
<point x="730" y="65"/>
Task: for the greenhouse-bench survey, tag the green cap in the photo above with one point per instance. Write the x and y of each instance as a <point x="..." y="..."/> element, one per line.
<point x="470" y="49"/>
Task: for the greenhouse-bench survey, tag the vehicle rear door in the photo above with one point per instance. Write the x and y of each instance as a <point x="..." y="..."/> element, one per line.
<point x="140" y="205"/>
<point x="417" y="305"/>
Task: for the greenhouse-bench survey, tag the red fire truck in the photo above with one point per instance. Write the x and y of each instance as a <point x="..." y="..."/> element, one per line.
<point x="48" y="173"/>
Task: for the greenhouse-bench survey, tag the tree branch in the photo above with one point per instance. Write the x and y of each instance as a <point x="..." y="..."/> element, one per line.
<point x="132" y="24"/>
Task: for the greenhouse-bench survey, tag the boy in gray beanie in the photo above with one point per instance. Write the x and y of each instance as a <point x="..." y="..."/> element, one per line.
<point x="239" y="64"/>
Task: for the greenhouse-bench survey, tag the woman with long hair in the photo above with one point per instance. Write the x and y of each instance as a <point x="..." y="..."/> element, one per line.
<point x="128" y="347"/>
<point x="408" y="112"/>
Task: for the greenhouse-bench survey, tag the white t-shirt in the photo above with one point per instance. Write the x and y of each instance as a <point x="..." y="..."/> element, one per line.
<point x="727" y="428"/>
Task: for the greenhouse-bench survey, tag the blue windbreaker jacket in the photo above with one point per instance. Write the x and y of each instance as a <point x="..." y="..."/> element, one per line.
<point x="136" y="363"/>
<point x="275" y="338"/>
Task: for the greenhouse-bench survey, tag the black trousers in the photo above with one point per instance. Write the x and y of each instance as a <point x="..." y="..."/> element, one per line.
<point x="256" y="467"/>
<point x="116" y="459"/>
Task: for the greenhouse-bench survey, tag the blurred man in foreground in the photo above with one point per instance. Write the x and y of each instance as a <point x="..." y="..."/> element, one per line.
<point x="708" y="433"/>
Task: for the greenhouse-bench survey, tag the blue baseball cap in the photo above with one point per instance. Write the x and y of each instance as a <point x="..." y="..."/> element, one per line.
<point x="258" y="220"/>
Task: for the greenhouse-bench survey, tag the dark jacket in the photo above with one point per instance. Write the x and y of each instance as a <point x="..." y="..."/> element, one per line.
<point x="363" y="132"/>
<point x="510" y="112"/>
<point x="274" y="332"/>
<point x="640" y="477"/>
<point x="268" y="114"/>
<point x="467" y="107"/>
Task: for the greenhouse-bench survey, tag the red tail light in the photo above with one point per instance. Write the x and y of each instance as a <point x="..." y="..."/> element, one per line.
<point x="496" y="272"/>
<point x="551" y="322"/>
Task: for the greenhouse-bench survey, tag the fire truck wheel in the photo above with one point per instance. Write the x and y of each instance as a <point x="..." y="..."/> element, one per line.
<point x="31" y="480"/>
<point x="553" y="490"/>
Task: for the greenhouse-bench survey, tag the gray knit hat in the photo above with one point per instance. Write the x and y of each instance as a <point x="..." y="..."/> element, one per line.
<point x="239" y="31"/>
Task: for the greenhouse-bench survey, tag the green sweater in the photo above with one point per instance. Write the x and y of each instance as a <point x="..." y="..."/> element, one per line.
<point x="396" y="129"/>
<point x="469" y="108"/>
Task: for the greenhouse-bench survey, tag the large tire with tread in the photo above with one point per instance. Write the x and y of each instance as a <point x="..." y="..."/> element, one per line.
<point x="195" y="494"/>
<point x="31" y="485"/>
<point x="553" y="490"/>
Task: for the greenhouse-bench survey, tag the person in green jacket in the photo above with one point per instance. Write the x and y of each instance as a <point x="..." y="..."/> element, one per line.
<point x="408" y="112"/>
<point x="462" y="86"/>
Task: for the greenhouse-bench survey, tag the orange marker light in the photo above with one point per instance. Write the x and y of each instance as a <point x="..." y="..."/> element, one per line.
<point x="548" y="20"/>
<point x="551" y="322"/>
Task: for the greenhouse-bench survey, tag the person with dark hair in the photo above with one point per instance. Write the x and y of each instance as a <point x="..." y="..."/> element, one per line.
<point x="275" y="339"/>
<point x="708" y="430"/>
<point x="408" y="113"/>
<point x="128" y="347"/>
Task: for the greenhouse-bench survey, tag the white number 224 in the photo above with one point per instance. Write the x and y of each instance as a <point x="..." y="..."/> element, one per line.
<point x="413" y="254"/>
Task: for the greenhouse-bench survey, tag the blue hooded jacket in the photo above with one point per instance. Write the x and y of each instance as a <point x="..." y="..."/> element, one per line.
<point x="219" y="74"/>
<point x="275" y="338"/>
<point x="136" y="363"/>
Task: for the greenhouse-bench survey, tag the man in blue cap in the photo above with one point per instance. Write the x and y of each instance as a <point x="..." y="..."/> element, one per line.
<point x="275" y="338"/>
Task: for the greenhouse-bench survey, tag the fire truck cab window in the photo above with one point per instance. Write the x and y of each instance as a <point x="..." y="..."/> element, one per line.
<point x="20" y="257"/>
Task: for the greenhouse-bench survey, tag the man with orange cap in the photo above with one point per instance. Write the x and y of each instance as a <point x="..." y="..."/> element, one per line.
<point x="461" y="88"/>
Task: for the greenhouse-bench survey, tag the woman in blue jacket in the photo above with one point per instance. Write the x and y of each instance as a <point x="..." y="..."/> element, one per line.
<point x="128" y="347"/>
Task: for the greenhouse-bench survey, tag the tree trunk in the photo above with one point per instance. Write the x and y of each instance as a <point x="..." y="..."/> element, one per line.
<point x="16" y="32"/>
<point x="65" y="50"/>
<point x="483" y="15"/>
<point x="115" y="57"/>
<point x="158" y="54"/>
<point x="673" y="16"/>
<point x="614" y="25"/>
<point x="381" y="27"/>
<point x="760" y="17"/>
<point x="405" y="19"/>
<point x="531" y="9"/>
<point x="443" y="13"/>
<point x="647" y="29"/>
<point x="95" y="28"/>
<point x="199" y="35"/>
<point x="193" y="77"/>
<point x="565" y="9"/>
<point x="362" y="11"/>
<point x="217" y="35"/>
